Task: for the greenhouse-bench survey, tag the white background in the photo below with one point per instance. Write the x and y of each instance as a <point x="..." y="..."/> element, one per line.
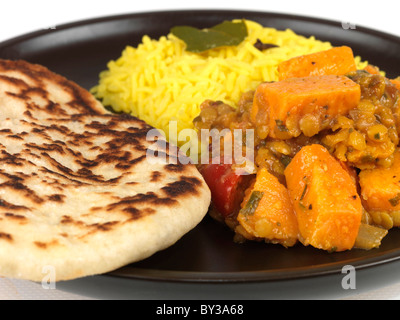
<point x="19" y="17"/>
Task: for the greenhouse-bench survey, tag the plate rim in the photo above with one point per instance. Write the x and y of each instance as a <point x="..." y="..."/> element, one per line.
<point x="237" y="276"/>
<point x="116" y="17"/>
<point x="177" y="276"/>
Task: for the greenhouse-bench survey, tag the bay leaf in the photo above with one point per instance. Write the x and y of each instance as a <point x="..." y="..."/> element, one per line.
<point x="227" y="33"/>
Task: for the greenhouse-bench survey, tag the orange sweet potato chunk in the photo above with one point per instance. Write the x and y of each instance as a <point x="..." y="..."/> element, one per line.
<point x="372" y="69"/>
<point x="380" y="187"/>
<point x="335" y="61"/>
<point x="325" y="200"/>
<point x="267" y="211"/>
<point x="332" y="95"/>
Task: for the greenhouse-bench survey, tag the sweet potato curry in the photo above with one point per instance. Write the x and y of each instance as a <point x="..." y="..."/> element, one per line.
<point x="327" y="162"/>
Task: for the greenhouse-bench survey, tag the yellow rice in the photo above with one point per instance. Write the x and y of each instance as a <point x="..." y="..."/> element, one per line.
<point x="159" y="81"/>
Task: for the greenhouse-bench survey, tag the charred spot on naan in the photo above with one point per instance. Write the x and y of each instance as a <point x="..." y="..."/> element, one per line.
<point x="183" y="187"/>
<point x="156" y="176"/>
<point x="6" y="236"/>
<point x="10" y="206"/>
<point x="149" y="199"/>
<point x="21" y="219"/>
<point x="15" y="217"/>
<point x="13" y="82"/>
<point x="46" y="245"/>
<point x="136" y="214"/>
<point x="22" y="189"/>
<point x="128" y="164"/>
<point x="56" y="198"/>
<point x="141" y="204"/>
<point x="105" y="226"/>
<point x="9" y="159"/>
<point x="174" y="167"/>
<point x="14" y="136"/>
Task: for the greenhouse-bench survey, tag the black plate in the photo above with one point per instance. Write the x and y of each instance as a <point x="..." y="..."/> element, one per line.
<point x="81" y="50"/>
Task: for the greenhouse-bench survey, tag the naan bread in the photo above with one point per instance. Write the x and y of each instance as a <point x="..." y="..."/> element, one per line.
<point x="32" y="90"/>
<point x="79" y="191"/>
